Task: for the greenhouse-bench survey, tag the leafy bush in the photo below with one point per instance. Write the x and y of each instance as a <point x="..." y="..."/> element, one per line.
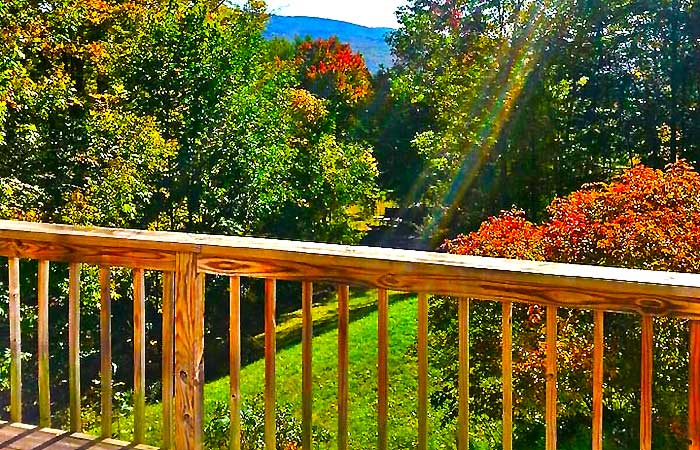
<point x="646" y="219"/>
<point x="216" y="432"/>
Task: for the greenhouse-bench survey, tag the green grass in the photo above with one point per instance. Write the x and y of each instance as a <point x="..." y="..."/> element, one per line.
<point x="362" y="374"/>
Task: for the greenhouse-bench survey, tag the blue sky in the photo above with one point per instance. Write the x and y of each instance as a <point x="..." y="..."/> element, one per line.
<point x="370" y="13"/>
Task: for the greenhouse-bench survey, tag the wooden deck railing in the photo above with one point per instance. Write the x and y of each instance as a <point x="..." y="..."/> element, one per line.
<point x="185" y="259"/>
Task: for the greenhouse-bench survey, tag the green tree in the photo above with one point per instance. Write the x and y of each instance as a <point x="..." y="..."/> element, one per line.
<point x="162" y="115"/>
<point x="528" y="99"/>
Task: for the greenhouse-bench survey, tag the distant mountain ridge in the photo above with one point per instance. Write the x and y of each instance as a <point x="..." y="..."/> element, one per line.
<point x="370" y="42"/>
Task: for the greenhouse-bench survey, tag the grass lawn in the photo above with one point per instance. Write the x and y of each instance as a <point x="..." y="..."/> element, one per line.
<point x="362" y="376"/>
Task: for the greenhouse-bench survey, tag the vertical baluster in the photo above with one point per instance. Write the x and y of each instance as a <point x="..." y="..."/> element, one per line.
<point x="168" y="355"/>
<point x="139" y="356"/>
<point x="507" y="369"/>
<point x="235" y="360"/>
<point x="551" y="375"/>
<point x="598" y="348"/>
<point x="422" y="371"/>
<point x="306" y="357"/>
<point x="43" y="345"/>
<point x="189" y="354"/>
<point x="106" y="351"/>
<point x="694" y="387"/>
<point x="646" y="382"/>
<point x="382" y="369"/>
<point x="270" y="352"/>
<point x="343" y="320"/>
<point x="74" y="346"/>
<point x="463" y="379"/>
<point x="15" y="342"/>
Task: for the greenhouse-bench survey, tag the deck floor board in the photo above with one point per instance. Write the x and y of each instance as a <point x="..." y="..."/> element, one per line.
<point x="25" y="437"/>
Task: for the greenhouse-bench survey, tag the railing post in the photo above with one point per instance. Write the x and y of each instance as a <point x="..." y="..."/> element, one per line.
<point x="76" y="424"/>
<point x="106" y="351"/>
<point x="694" y="387"/>
<point x="168" y="358"/>
<point x="646" y="382"/>
<point x="422" y="371"/>
<point x="15" y="343"/>
<point x="507" y="370"/>
<point x="598" y="349"/>
<point x="463" y="378"/>
<point x="139" y="356"/>
<point x="189" y="354"/>
<point x="551" y="377"/>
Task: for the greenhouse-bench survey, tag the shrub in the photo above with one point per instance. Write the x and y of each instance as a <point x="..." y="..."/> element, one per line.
<point x="646" y="219"/>
<point x="289" y="431"/>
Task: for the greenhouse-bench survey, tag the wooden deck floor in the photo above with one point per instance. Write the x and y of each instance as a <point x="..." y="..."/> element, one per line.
<point x="17" y="436"/>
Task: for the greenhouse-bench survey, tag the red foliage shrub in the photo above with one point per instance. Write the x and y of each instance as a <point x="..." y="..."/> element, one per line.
<point x="647" y="219"/>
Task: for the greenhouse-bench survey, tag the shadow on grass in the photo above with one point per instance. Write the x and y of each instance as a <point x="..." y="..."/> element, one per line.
<point x="290" y="326"/>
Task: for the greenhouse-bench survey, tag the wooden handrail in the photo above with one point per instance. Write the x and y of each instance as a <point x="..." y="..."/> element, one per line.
<point x="185" y="259"/>
<point x="566" y="285"/>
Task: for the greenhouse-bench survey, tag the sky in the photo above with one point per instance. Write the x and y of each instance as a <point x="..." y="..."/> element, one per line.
<point x="370" y="13"/>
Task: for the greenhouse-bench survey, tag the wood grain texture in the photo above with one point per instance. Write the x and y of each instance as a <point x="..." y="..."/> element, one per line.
<point x="43" y="345"/>
<point x="189" y="356"/>
<point x="15" y="342"/>
<point x="76" y="424"/>
<point x="235" y="362"/>
<point x="572" y="286"/>
<point x="694" y="387"/>
<point x="551" y="377"/>
<point x="646" y="382"/>
<point x="270" y="353"/>
<point x="490" y="281"/>
<point x="343" y="359"/>
<point x="507" y="370"/>
<point x="139" y="356"/>
<point x="168" y="355"/>
<point x="422" y="350"/>
<point x="307" y="290"/>
<point x="106" y="352"/>
<point x="85" y="252"/>
<point x="598" y="353"/>
<point x="382" y="369"/>
<point x="18" y="436"/>
<point x="463" y="377"/>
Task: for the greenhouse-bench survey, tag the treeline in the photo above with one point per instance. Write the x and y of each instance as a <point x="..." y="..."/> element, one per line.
<point x="503" y="102"/>
<point x="178" y="116"/>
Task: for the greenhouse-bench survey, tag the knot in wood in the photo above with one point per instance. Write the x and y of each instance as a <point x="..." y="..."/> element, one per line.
<point x="389" y="280"/>
<point x="652" y="306"/>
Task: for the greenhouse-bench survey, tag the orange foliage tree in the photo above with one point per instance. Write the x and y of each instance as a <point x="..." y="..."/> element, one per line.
<point x="332" y="70"/>
<point x="646" y="219"/>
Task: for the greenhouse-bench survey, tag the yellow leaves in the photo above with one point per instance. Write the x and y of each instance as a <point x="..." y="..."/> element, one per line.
<point x="97" y="11"/>
<point x="308" y="109"/>
<point x="78" y="198"/>
<point x="664" y="133"/>
<point x="96" y="50"/>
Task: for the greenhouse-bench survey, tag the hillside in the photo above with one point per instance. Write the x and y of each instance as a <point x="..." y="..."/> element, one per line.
<point x="370" y="42"/>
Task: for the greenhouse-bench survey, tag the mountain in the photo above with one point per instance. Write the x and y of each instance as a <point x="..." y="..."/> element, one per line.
<point x="370" y="42"/>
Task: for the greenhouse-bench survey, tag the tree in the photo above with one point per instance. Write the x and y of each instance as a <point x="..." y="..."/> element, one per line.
<point x="163" y="115"/>
<point x="647" y="219"/>
<point x="528" y="100"/>
<point x="333" y="71"/>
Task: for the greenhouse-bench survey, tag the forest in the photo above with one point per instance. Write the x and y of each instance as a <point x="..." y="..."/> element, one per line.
<point x="565" y="130"/>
